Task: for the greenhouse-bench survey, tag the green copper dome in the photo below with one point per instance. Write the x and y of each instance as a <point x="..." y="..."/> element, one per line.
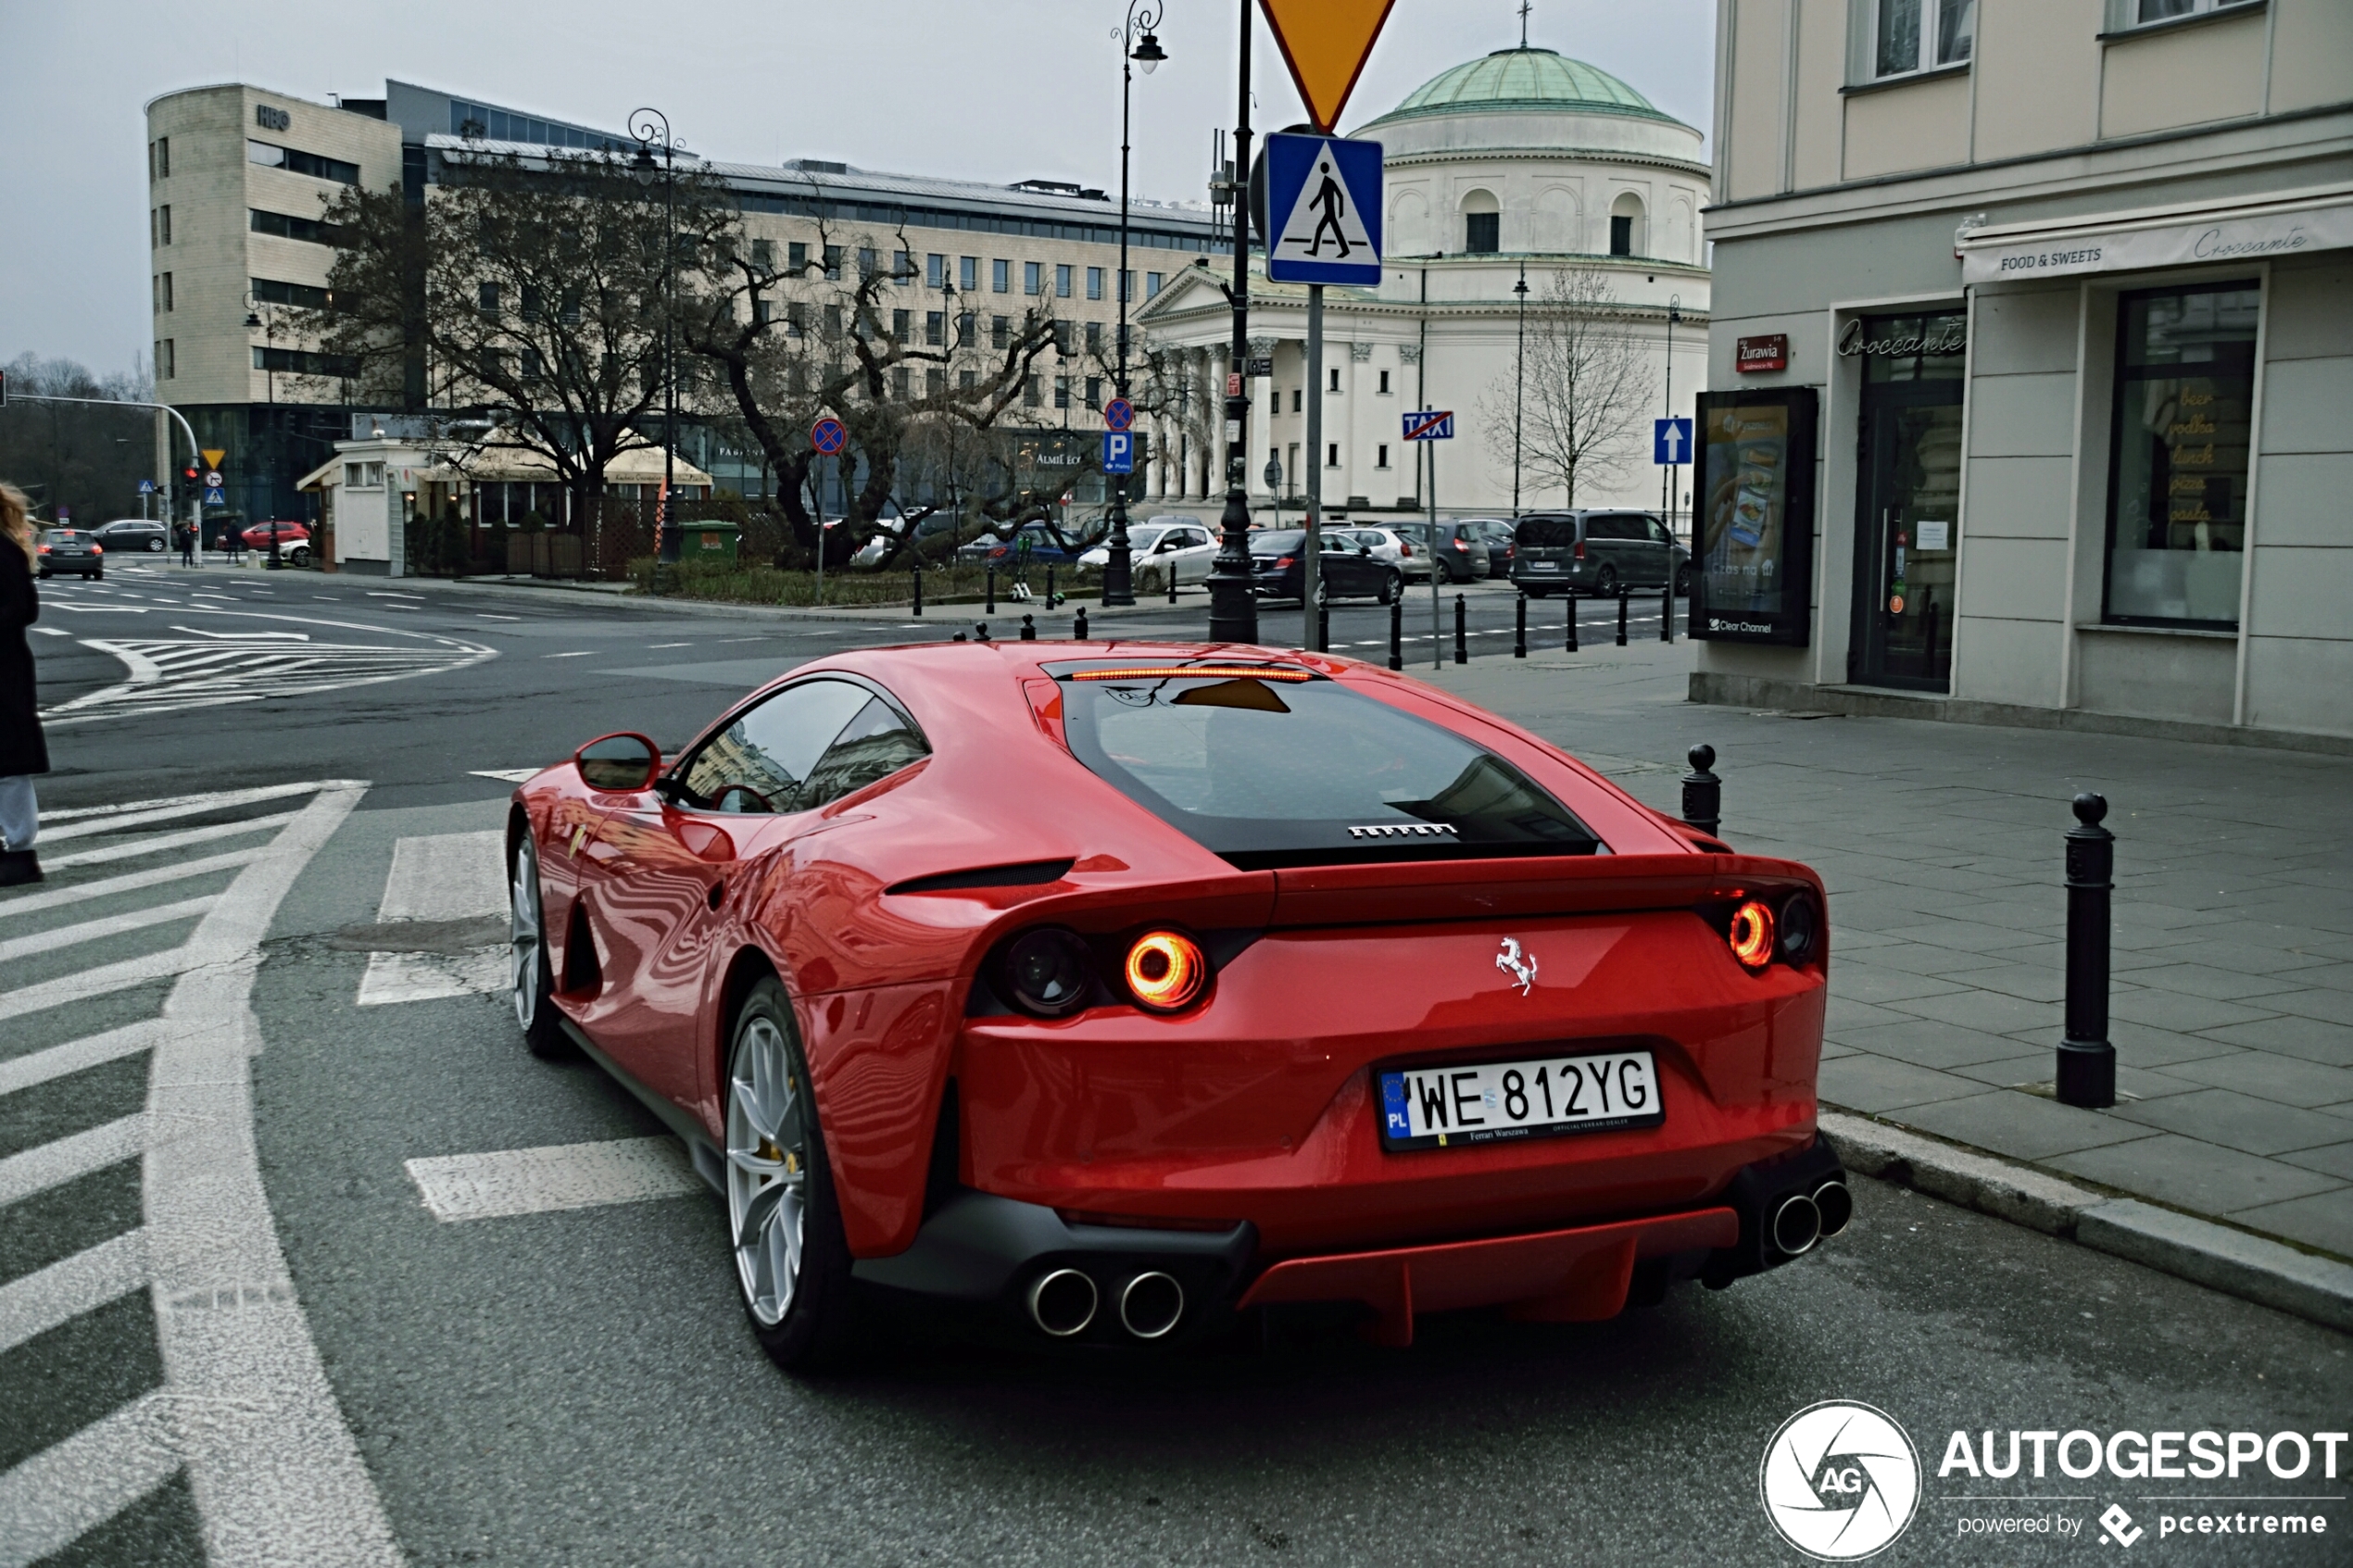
<point x="1524" y="79"/>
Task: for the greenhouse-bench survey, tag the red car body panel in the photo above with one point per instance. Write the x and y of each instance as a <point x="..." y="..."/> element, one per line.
<point x="1258" y="1103"/>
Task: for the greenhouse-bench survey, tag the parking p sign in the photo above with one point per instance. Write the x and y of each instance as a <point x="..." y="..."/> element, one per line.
<point x="1119" y="451"/>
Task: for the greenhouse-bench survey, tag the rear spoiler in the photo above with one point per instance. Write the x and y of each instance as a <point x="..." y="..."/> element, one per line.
<point x="1406" y="892"/>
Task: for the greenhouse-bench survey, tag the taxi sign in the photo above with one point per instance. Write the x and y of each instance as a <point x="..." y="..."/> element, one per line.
<point x="1118" y="414"/>
<point x="1325" y="43"/>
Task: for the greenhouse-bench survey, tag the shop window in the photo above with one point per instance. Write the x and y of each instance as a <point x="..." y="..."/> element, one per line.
<point x="2178" y="459"/>
<point x="1900" y="37"/>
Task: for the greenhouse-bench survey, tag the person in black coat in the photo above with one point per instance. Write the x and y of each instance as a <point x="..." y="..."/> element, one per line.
<point x="24" y="752"/>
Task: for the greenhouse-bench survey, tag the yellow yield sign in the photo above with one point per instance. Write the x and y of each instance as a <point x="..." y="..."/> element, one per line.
<point x="212" y="456"/>
<point x="1325" y="43"/>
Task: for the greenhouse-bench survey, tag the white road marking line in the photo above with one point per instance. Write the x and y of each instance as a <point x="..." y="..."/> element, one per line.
<point x="507" y="775"/>
<point x="94" y="929"/>
<point x="248" y="636"/>
<point x="582" y="655"/>
<point x="138" y="812"/>
<point x="93" y="1050"/>
<point x="446" y="877"/>
<point x="104" y="979"/>
<point x="275" y="1472"/>
<point x="553" y="1178"/>
<point x="43" y="1300"/>
<point x="485" y="615"/>
<point x="62" y="1493"/>
<point x="653" y="646"/>
<point x="51" y="631"/>
<point x="381" y="594"/>
<point x="424" y="977"/>
<point x="163" y="841"/>
<point x="53" y="1164"/>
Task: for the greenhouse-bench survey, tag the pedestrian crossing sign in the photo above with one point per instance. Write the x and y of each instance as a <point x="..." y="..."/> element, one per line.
<point x="1323" y="207"/>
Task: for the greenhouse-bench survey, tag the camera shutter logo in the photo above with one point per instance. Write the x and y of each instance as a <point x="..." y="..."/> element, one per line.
<point x="1839" y="1480"/>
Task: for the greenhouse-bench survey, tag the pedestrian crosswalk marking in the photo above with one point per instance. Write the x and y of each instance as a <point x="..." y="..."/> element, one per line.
<point x="553" y="1178"/>
<point x="138" y="846"/>
<point x="47" y="1298"/>
<point x="450" y="876"/>
<point x="161" y="876"/>
<point x="94" y="930"/>
<point x="62" y="1493"/>
<point x="211" y="669"/>
<point x="56" y="1163"/>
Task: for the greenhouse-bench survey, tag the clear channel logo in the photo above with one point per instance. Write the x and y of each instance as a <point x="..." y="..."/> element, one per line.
<point x="1839" y="1480"/>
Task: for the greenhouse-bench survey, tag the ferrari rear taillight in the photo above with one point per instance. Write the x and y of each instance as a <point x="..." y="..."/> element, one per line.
<point x="1751" y="935"/>
<point x="1048" y="972"/>
<point x="1801" y="927"/>
<point x="1166" y="971"/>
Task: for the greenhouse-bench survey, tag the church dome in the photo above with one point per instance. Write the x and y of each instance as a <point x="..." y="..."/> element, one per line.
<point x="1523" y="80"/>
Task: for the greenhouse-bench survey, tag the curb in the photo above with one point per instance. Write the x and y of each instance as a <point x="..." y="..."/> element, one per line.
<point x="2216" y="1256"/>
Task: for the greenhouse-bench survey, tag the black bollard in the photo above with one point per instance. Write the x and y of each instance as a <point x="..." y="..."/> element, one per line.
<point x="962" y="638"/>
<point x="1519" y="628"/>
<point x="919" y="587"/>
<point x="1621" y="615"/>
<point x="2086" y="1060"/>
<point x="1667" y="612"/>
<point x="1571" y="644"/>
<point x="1172" y="581"/>
<point x="1462" y="643"/>
<point x="1028" y="628"/>
<point x="991" y="606"/>
<point x="1396" y="632"/>
<point x="1323" y="628"/>
<point x="1053" y="600"/>
<point x="1702" y="792"/>
<point x="1078" y="625"/>
<point x="980" y="632"/>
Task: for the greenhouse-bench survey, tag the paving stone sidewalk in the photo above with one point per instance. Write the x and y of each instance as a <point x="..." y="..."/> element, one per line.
<point x="2232" y="1007"/>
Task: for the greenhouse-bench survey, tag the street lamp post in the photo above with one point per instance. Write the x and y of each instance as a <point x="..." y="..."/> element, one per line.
<point x="643" y="124"/>
<point x="1233" y="614"/>
<point x="1674" y="314"/>
<point x="1145" y="51"/>
<point x="1519" y="381"/>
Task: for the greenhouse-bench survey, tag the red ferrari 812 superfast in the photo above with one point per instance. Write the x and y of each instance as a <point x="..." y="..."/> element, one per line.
<point x="1099" y="992"/>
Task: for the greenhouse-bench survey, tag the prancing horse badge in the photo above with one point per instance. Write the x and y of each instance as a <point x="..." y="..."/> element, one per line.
<point x="1517" y="962"/>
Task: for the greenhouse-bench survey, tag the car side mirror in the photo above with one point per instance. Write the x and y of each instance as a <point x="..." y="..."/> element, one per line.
<point x="622" y="763"/>
<point x="1363" y="549"/>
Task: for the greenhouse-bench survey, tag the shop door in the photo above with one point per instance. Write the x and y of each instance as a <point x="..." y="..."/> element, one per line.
<point x="1907" y="530"/>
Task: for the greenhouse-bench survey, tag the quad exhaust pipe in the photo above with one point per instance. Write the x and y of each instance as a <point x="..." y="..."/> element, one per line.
<point x="1063" y="1303"/>
<point x="1802" y="1219"/>
<point x="1835" y="1205"/>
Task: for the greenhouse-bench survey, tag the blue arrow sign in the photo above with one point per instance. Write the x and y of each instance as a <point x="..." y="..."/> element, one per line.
<point x="1670" y="442"/>
<point x="1119" y="451"/>
<point x="1430" y="424"/>
<point x="1324" y="208"/>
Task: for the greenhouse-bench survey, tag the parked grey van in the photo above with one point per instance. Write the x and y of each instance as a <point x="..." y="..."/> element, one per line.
<point x="1595" y="552"/>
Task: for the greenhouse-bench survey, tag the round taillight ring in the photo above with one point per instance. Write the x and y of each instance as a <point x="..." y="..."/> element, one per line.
<point x="1801" y="929"/>
<point x="1167" y="970"/>
<point x="1049" y="972"/>
<point x="1751" y="935"/>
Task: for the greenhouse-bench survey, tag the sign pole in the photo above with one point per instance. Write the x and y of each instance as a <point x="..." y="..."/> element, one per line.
<point x="1233" y="613"/>
<point x="1314" y="558"/>
<point x="1436" y="657"/>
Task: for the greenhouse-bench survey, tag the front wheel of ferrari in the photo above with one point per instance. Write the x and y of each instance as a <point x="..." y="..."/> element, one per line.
<point x="530" y="977"/>
<point x="792" y="1263"/>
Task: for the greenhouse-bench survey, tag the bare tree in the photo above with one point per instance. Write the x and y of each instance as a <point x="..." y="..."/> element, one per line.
<point x="85" y="458"/>
<point x="533" y="292"/>
<point x="832" y="337"/>
<point x="1588" y="387"/>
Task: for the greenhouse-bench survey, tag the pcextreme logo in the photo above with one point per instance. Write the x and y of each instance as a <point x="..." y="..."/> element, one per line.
<point x="1839" y="1480"/>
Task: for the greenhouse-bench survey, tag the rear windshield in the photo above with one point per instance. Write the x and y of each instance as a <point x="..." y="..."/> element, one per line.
<point x="1283" y="772"/>
<point x="1548" y="533"/>
<point x="1278" y="539"/>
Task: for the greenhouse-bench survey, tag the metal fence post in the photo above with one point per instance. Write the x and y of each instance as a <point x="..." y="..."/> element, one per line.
<point x="1078" y="625"/>
<point x="1667" y="612"/>
<point x="1519" y="628"/>
<point x="1702" y="792"/>
<point x="2087" y="1059"/>
<point x="1462" y="646"/>
<point x="1621" y="615"/>
<point x="1396" y="632"/>
<point x="919" y="587"/>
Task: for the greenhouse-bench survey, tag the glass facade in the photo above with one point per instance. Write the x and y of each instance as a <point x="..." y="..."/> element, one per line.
<point x="2179" y="456"/>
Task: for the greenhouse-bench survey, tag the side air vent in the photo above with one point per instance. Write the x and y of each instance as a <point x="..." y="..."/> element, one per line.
<point x="1028" y="873"/>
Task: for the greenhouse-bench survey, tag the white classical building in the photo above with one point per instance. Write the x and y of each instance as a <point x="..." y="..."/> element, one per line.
<point x="1521" y="163"/>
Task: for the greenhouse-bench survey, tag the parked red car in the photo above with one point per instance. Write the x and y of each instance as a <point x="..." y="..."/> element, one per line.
<point x="294" y="539"/>
<point x="1105" y="991"/>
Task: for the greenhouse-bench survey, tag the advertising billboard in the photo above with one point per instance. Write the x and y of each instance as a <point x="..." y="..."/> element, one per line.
<point x="1753" y="532"/>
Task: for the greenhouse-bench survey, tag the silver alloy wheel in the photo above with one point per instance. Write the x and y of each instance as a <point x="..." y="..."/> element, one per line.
<point x="525" y="938"/>
<point x="767" y="1168"/>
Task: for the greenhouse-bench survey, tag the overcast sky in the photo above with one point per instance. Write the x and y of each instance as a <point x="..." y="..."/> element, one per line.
<point x="991" y="90"/>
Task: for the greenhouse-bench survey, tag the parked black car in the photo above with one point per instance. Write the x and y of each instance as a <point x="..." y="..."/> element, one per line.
<point x="1595" y="552"/>
<point x="1499" y="532"/>
<point x="1458" y="548"/>
<point x="71" y="549"/>
<point x="1279" y="569"/>
<point x="129" y="533"/>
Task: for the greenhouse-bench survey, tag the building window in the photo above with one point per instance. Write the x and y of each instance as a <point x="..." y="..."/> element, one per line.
<point x="303" y="363"/>
<point x="763" y="312"/>
<point x="1335" y="380"/>
<point x="163" y="291"/>
<point x="532" y="366"/>
<point x="1000" y="333"/>
<point x="1062" y="392"/>
<point x="1151" y="284"/>
<point x="1094" y="282"/>
<point x="272" y="157"/>
<point x="1095" y="337"/>
<point x="1000" y="276"/>
<point x="1061" y="279"/>
<point x="2126" y="13"/>
<point x="832" y="321"/>
<point x="763" y="255"/>
<point x="1384" y="387"/>
<point x="968" y="330"/>
<point x="902" y="323"/>
<point x="833" y="263"/>
<point x="1029" y="396"/>
<point x="1128" y="288"/>
<point x="306" y="296"/>
<point x="1065" y="340"/>
<point x="934" y="383"/>
<point x="285" y="225"/>
<point x="901" y="379"/>
<point x="163" y="220"/>
<point x="2177" y="489"/>
<point x="1381" y="458"/>
<point x="1913" y="35"/>
<point x="1298" y="400"/>
<point x="936" y="329"/>
<point x="167" y="358"/>
<point x="1331" y="454"/>
<point x="163" y="157"/>
<point x="1033" y="275"/>
<point x="935" y="272"/>
<point x="488" y="297"/>
<point x="865" y="261"/>
<point x="903" y="267"/>
<point x="1626" y="237"/>
<point x="795" y="319"/>
<point x="968" y="274"/>
<point x="795" y="257"/>
<point x="532" y="304"/>
<point x="1094" y="391"/>
<point x="967" y="380"/>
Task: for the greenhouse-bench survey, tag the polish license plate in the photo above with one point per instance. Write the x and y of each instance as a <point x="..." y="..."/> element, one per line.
<point x="1543" y="566"/>
<point x="1542" y="1097"/>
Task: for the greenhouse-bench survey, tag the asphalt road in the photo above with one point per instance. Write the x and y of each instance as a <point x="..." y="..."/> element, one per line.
<point x="231" y="1329"/>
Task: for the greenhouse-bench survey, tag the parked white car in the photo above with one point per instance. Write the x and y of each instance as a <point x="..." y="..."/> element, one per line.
<point x="1389" y="545"/>
<point x="1158" y="547"/>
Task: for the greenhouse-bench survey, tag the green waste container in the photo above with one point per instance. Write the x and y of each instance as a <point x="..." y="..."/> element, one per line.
<point x="709" y="541"/>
